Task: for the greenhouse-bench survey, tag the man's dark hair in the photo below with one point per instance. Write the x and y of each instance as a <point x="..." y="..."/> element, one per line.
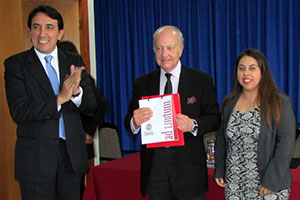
<point x="48" y="10"/>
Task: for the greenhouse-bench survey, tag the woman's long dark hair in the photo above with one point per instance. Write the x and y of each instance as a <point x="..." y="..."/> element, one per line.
<point x="268" y="93"/>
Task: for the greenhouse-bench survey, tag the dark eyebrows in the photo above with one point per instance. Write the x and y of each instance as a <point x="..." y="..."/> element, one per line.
<point x="251" y="65"/>
<point x="48" y="25"/>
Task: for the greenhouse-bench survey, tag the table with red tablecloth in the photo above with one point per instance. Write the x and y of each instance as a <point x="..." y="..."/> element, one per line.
<point x="120" y="179"/>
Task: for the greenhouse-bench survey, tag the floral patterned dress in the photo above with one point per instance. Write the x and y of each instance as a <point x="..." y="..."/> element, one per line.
<point x="242" y="175"/>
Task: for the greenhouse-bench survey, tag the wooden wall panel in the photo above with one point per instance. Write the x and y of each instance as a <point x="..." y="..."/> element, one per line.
<point x="84" y="33"/>
<point x="11" y="42"/>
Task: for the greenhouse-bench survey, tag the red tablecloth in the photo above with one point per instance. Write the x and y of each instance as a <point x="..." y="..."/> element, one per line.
<point x="119" y="179"/>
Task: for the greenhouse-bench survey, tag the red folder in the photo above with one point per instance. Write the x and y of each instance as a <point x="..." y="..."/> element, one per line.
<point x="177" y="105"/>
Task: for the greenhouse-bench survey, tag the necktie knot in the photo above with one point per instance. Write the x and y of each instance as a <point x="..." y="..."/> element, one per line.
<point x="168" y="75"/>
<point x="48" y="59"/>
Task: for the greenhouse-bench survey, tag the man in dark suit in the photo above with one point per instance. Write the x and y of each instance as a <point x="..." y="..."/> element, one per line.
<point x="175" y="172"/>
<point x="46" y="94"/>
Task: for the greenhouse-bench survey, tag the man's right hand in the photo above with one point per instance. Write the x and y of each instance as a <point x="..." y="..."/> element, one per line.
<point x="141" y="115"/>
<point x="88" y="139"/>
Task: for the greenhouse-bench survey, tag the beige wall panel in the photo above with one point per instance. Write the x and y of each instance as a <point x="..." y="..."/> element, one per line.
<point x="11" y="42"/>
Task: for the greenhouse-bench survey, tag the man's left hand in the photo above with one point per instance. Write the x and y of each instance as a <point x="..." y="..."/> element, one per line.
<point x="76" y="77"/>
<point x="184" y="123"/>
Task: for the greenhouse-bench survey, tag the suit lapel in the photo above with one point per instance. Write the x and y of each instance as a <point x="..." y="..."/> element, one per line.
<point x="63" y="66"/>
<point x="154" y="85"/>
<point x="36" y="68"/>
<point x="184" y="84"/>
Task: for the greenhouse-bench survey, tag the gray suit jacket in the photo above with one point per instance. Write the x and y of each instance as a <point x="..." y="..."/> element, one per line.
<point x="275" y="148"/>
<point x="33" y="107"/>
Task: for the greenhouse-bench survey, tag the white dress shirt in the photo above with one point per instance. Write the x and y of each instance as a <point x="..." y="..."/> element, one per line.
<point x="54" y="62"/>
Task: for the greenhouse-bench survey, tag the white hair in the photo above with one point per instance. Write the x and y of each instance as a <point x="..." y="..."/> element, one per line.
<point x="174" y="28"/>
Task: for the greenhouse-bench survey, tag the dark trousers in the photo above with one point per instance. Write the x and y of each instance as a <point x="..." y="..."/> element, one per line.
<point x="66" y="185"/>
<point x="163" y="182"/>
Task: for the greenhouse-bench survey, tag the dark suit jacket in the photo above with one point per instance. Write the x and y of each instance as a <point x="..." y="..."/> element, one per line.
<point x="33" y="107"/>
<point x="275" y="147"/>
<point x="198" y="101"/>
<point x="96" y="120"/>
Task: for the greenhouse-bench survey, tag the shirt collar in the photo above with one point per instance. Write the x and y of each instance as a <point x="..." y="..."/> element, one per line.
<point x="41" y="56"/>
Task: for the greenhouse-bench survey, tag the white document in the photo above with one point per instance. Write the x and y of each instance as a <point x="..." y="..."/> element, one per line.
<point x="160" y="127"/>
